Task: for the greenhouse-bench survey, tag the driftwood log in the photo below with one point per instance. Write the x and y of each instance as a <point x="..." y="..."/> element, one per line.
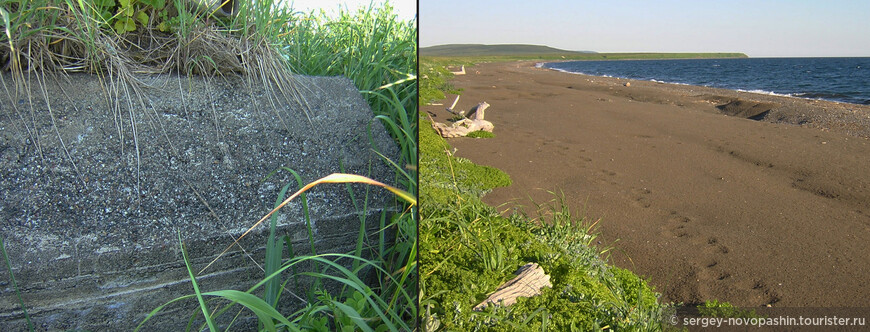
<point x="529" y="281"/>
<point x="471" y="122"/>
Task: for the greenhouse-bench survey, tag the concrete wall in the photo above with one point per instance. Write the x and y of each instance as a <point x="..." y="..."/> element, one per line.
<point x="98" y="181"/>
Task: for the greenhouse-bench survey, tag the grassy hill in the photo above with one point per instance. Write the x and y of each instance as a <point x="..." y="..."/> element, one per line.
<point x="481" y="49"/>
<point x="528" y="52"/>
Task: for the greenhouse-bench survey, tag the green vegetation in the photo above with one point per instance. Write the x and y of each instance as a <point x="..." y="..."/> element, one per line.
<point x="378" y="52"/>
<point x="486" y="53"/>
<point x="265" y="41"/>
<point x="484" y="50"/>
<point x="436" y="80"/>
<point x="480" y="134"/>
<point x="142" y="36"/>
<point x="715" y="308"/>
<point x="467" y="250"/>
<point x="447" y="179"/>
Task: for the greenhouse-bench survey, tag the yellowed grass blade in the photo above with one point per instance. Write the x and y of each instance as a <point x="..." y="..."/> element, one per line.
<point x="332" y="178"/>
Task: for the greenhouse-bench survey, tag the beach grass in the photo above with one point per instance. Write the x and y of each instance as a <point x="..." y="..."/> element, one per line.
<point x="267" y="41"/>
<point x="436" y="79"/>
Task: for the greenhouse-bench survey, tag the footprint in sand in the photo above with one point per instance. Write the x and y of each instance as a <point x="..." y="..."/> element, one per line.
<point x="714" y="246"/>
<point x="640" y="197"/>
<point x="607" y="178"/>
<point x="710" y="271"/>
<point x="758" y="291"/>
<point x="677" y="226"/>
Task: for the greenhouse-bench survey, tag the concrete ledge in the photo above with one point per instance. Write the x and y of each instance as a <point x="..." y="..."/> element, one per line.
<point x="95" y="192"/>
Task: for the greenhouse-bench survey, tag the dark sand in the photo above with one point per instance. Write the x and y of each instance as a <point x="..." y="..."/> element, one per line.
<point x="705" y="205"/>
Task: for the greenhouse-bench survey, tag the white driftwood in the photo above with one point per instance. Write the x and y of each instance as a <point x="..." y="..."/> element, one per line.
<point x="450" y="109"/>
<point x="460" y="72"/>
<point x="529" y="281"/>
<point x="471" y="122"/>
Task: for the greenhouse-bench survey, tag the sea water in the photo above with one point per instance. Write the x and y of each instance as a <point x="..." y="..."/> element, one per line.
<point x="836" y="79"/>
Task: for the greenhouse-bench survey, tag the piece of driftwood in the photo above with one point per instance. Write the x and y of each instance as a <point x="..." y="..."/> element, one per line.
<point x="460" y="72"/>
<point x="529" y="281"/>
<point x="471" y="122"/>
<point x="457" y="113"/>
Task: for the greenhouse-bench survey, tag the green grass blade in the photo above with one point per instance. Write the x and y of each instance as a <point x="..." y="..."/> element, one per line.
<point x="211" y="326"/>
<point x="15" y="285"/>
<point x="361" y="214"/>
<point x="304" y="200"/>
<point x="266" y="313"/>
<point x="273" y="254"/>
<point x="290" y="255"/>
<point x="159" y="308"/>
<point x="353" y="315"/>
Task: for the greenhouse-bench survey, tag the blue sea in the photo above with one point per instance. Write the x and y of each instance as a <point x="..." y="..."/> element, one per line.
<point x="836" y="79"/>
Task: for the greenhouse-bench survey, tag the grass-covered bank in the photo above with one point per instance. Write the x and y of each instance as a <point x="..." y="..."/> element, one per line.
<point x="467" y="250"/>
<point x="524" y="51"/>
<point x="262" y="41"/>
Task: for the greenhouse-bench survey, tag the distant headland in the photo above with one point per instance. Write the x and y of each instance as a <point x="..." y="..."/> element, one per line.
<point x="525" y="51"/>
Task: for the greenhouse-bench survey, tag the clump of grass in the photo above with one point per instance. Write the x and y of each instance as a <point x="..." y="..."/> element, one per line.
<point x="376" y="50"/>
<point x="446" y="179"/>
<point x="468" y="249"/>
<point x="480" y="134"/>
<point x="121" y="40"/>
<point x="436" y="80"/>
<point x="167" y="35"/>
<point x="714" y="308"/>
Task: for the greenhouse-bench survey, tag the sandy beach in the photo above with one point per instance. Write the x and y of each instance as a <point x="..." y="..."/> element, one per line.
<point x="692" y="194"/>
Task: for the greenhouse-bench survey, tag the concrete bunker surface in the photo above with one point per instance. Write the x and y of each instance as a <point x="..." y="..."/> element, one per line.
<point x="97" y="185"/>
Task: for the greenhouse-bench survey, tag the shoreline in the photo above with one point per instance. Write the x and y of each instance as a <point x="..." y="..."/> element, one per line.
<point x="703" y="202"/>
<point x="540" y="64"/>
<point x="851" y="118"/>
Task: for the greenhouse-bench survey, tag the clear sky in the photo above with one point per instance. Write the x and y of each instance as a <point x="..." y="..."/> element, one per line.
<point x="761" y="28"/>
<point x="404" y="9"/>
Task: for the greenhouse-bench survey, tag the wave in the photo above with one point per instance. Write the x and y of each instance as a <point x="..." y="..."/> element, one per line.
<point x="765" y="92"/>
<point x="834" y="79"/>
<point x="666" y="82"/>
<point x="777" y="77"/>
<point x="579" y="72"/>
